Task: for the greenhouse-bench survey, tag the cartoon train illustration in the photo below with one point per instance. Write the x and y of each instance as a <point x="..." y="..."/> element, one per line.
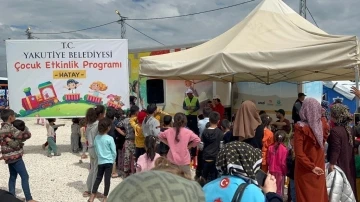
<point x="93" y="99"/>
<point x="46" y="98"/>
<point x="72" y="97"/>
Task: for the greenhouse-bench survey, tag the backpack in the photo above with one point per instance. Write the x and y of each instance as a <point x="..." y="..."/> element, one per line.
<point x="232" y="189"/>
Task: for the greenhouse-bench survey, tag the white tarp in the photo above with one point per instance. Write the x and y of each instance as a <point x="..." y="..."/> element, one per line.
<point x="273" y="43"/>
<point x="342" y="87"/>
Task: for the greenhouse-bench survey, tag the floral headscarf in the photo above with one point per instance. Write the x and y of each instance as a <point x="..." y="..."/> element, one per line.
<point x="342" y="118"/>
<point x="310" y="114"/>
<point x="239" y="158"/>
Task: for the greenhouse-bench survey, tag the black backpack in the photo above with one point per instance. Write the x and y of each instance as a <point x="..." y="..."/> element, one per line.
<point x="239" y="192"/>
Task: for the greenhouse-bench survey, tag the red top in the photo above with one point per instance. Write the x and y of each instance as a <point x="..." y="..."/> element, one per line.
<point x="219" y="108"/>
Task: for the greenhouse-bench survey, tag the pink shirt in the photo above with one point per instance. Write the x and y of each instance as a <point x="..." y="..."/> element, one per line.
<point x="145" y="164"/>
<point x="179" y="153"/>
<point x="276" y="159"/>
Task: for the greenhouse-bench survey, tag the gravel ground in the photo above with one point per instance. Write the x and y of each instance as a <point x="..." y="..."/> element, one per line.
<point x="56" y="179"/>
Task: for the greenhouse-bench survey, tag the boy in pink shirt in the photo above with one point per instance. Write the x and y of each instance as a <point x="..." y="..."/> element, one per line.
<point x="180" y="140"/>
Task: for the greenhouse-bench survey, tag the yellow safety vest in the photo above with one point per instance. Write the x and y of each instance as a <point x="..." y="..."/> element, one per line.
<point x="191" y="104"/>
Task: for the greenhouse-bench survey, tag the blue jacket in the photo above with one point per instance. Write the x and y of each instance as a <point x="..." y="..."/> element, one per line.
<point x="224" y="188"/>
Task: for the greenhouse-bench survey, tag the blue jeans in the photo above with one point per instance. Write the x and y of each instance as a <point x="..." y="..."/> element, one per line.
<point x="19" y="168"/>
<point x="292" y="190"/>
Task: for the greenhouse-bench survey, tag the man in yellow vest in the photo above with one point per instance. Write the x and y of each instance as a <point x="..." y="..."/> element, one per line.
<point x="191" y="105"/>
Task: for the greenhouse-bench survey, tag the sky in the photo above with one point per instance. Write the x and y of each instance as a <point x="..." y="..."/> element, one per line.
<point x="49" y="16"/>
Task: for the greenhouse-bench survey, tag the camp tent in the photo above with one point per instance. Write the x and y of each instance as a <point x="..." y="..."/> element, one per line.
<point x="272" y="44"/>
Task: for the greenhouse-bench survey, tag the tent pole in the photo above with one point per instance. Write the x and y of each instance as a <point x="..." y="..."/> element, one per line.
<point x="357" y="85"/>
<point x="232" y="97"/>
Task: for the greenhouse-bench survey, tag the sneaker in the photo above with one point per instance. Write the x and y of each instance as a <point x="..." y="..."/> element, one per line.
<point x="49" y="155"/>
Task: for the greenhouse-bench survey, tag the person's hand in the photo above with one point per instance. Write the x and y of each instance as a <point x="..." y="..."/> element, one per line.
<point x="318" y="171"/>
<point x="331" y="168"/>
<point x="270" y="184"/>
<point x="355" y="91"/>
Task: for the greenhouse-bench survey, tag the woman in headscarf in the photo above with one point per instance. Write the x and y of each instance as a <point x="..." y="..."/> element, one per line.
<point x="238" y="162"/>
<point x="309" y="139"/>
<point x="157" y="186"/>
<point x="247" y="125"/>
<point x="341" y="143"/>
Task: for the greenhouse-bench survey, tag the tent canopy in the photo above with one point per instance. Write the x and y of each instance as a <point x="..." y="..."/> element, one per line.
<point x="272" y="44"/>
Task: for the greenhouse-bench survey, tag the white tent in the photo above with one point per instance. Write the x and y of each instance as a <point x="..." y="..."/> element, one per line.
<point x="342" y="87"/>
<point x="272" y="44"/>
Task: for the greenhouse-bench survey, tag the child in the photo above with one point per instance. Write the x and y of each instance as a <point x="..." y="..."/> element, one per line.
<point x="139" y="137"/>
<point x="50" y="128"/>
<point x="276" y="159"/>
<point x="180" y="140"/>
<point x="163" y="148"/>
<point x="13" y="157"/>
<point x="75" y="134"/>
<point x="126" y="130"/>
<point x="106" y="153"/>
<point x="147" y="161"/>
<point x="92" y="117"/>
<point x="211" y="138"/>
<point x="290" y="166"/>
<point x="83" y="139"/>
<point x="55" y="129"/>
<point x="226" y="128"/>
<point x="20" y="125"/>
<point x="267" y="140"/>
<point x="151" y="125"/>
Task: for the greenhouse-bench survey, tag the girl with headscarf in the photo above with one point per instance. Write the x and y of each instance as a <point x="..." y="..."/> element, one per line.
<point x="341" y="143"/>
<point x="247" y="125"/>
<point x="238" y="162"/>
<point x="309" y="138"/>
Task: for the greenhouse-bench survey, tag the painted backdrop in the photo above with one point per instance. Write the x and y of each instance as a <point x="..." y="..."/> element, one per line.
<point x="63" y="78"/>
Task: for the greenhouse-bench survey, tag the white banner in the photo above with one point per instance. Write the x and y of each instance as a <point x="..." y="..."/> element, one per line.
<point x="63" y="78"/>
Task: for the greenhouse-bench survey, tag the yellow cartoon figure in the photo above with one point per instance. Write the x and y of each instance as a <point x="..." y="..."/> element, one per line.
<point x="97" y="87"/>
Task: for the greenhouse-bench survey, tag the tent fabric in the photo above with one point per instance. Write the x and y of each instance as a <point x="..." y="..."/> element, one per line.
<point x="272" y="44"/>
<point x="343" y="88"/>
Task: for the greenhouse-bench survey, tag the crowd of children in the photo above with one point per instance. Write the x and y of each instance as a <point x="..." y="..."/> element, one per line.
<point x="120" y="144"/>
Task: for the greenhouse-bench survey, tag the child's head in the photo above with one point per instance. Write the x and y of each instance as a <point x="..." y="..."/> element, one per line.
<point x="110" y="113"/>
<point x="76" y="120"/>
<point x="19" y="124"/>
<point x="162" y="164"/>
<point x="95" y="113"/>
<point x="179" y="122"/>
<point x="214" y="118"/>
<point x="82" y="122"/>
<point x="150" y="146"/>
<point x="225" y="125"/>
<point x="104" y="126"/>
<point x="8" y="115"/>
<point x="119" y="113"/>
<point x="151" y="109"/>
<point x="266" y="120"/>
<point x="51" y="120"/>
<point x="167" y="120"/>
<point x="207" y="111"/>
<point x="134" y="110"/>
<point x="280" y="136"/>
<point x="201" y="117"/>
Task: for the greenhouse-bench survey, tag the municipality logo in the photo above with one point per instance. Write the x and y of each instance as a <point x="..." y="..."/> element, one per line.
<point x="278" y="102"/>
